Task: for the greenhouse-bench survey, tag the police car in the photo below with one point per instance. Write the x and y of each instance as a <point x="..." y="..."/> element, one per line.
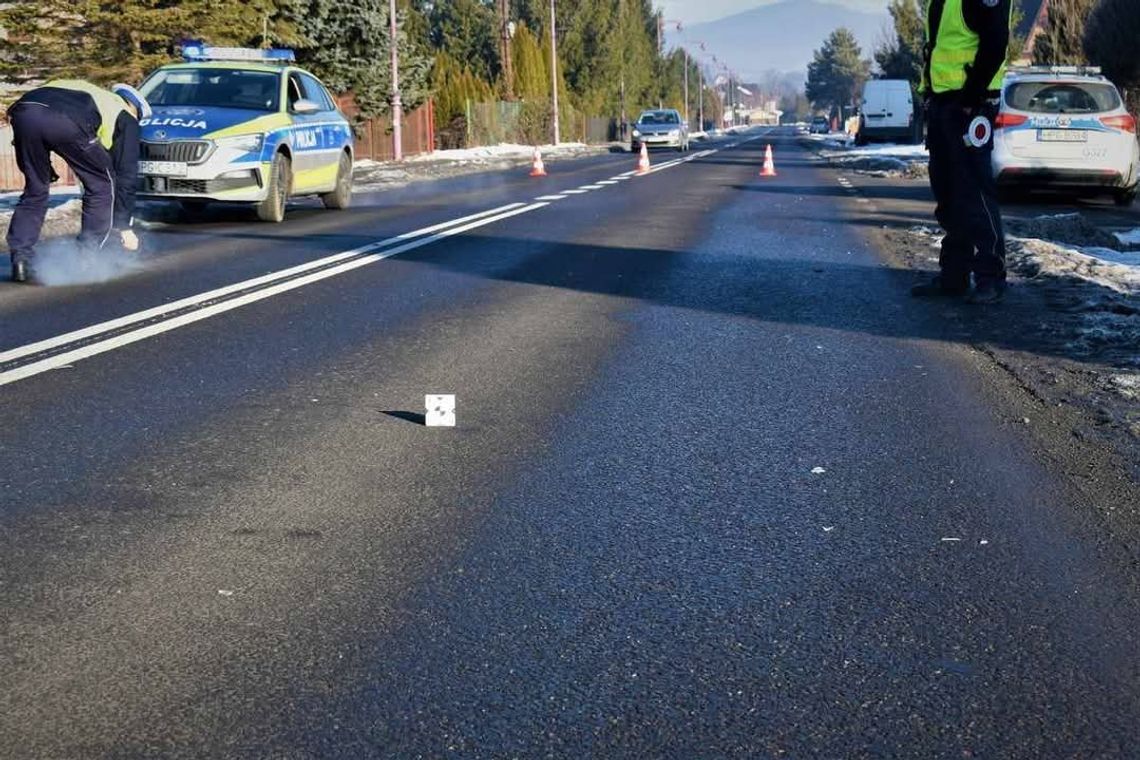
<point x="1065" y="128"/>
<point x="242" y="125"/>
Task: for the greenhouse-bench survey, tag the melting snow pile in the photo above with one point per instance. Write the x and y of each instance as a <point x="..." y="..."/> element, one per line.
<point x="60" y="221"/>
<point x="887" y="160"/>
<point x="386" y="175"/>
<point x="1085" y="272"/>
<point x="1129" y="238"/>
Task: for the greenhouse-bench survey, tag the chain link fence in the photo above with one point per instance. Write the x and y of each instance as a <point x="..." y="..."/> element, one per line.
<point x="529" y="123"/>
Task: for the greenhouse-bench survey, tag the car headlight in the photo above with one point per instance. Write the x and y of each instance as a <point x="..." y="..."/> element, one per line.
<point x="674" y="133"/>
<point x="246" y="143"/>
<point x="636" y="133"/>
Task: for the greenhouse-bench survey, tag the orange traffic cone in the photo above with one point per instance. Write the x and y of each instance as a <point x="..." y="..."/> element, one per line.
<point x="537" y="168"/>
<point x="643" y="160"/>
<point x="769" y="169"/>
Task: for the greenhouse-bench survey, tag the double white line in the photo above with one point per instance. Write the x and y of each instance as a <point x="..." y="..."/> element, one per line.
<point x="63" y="350"/>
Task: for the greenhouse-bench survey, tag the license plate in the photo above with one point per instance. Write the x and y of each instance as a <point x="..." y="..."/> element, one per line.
<point x="1062" y="135"/>
<point x="163" y="168"/>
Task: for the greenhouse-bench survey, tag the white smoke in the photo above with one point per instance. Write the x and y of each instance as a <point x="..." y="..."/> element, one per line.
<point x="61" y="261"/>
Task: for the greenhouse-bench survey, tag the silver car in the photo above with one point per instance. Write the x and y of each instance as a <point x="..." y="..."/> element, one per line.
<point x="662" y="128"/>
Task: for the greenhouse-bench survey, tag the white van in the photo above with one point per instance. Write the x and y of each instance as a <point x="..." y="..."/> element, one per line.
<point x="888" y="112"/>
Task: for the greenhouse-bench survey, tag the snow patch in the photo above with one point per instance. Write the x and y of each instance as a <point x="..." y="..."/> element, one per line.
<point x="506" y="150"/>
<point x="1099" y="284"/>
<point x="884" y="150"/>
<point x="1131" y="237"/>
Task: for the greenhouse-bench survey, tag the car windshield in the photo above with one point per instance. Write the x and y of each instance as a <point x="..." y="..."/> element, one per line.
<point x="1062" y="97"/>
<point x="658" y="117"/>
<point x="220" y="88"/>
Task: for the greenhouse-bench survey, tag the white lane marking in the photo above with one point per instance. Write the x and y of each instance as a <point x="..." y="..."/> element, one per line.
<point x="158" y="311"/>
<point x="124" y="339"/>
<point x="607" y="182"/>
<point x="550" y="197"/>
<point x="591" y="187"/>
<point x="575" y="192"/>
<point x="629" y="173"/>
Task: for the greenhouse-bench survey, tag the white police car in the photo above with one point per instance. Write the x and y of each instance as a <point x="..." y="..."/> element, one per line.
<point x="243" y="125"/>
<point x="1065" y="128"/>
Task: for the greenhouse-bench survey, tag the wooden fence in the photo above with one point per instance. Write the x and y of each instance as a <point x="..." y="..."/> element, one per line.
<point x="374" y="136"/>
<point x="11" y="178"/>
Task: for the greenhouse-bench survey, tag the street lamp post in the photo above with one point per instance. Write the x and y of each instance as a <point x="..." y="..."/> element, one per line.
<point x="397" y="106"/>
<point x="553" y="72"/>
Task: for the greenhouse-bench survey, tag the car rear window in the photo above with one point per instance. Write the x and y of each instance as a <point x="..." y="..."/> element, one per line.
<point x="1062" y="97"/>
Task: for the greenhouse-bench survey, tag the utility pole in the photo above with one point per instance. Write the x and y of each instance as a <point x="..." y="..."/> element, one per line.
<point x="554" y="71"/>
<point x="688" y="123"/>
<point x="508" y="64"/>
<point x="701" y="97"/>
<point x="397" y="107"/>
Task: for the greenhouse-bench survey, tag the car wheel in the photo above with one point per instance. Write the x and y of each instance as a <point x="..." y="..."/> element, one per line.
<point x="1125" y="197"/>
<point x="341" y="196"/>
<point x="272" y="209"/>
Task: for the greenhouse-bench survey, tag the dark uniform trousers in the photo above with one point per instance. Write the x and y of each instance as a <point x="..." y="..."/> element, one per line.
<point x="962" y="179"/>
<point x="39" y="131"/>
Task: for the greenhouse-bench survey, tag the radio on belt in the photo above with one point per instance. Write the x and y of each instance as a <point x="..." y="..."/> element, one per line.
<point x="979" y="133"/>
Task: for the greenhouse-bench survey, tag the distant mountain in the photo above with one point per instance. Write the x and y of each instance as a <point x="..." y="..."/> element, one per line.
<point x="781" y="36"/>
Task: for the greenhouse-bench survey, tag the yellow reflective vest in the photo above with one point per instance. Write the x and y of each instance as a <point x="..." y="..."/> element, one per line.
<point x="956" y="46"/>
<point x="109" y="104"/>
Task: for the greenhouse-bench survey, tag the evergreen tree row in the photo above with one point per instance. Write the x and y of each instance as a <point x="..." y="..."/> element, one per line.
<point x="609" y="61"/>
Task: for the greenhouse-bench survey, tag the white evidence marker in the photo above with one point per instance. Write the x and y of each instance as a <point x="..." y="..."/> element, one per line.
<point x="439" y="410"/>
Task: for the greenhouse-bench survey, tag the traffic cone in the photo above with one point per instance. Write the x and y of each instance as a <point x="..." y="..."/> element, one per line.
<point x="643" y="160"/>
<point x="537" y="168"/>
<point x="769" y="169"/>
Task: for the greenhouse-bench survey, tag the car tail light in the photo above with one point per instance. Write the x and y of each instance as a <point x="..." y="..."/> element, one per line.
<point x="1005" y="120"/>
<point x="1126" y="123"/>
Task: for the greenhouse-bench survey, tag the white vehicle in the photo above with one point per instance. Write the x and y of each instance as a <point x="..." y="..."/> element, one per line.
<point x="888" y="112"/>
<point x="1065" y="128"/>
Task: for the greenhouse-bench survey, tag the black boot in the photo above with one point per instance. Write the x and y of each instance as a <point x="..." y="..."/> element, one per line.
<point x="19" y="270"/>
<point x="940" y="287"/>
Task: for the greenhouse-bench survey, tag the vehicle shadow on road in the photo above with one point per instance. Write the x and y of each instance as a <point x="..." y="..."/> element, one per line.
<point x="819" y="291"/>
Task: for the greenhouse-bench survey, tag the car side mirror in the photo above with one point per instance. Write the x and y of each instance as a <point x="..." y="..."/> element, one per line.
<point x="304" y="106"/>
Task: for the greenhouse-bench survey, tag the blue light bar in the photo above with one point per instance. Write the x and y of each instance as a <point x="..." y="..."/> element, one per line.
<point x="197" y="52"/>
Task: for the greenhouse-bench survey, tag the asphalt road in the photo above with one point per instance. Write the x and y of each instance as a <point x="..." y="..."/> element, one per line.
<point x="718" y="488"/>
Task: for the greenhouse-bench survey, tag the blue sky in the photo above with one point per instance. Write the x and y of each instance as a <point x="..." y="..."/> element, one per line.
<point x="696" y="11"/>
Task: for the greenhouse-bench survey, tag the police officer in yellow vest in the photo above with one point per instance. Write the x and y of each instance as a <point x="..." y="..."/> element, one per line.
<point x="965" y="63"/>
<point x="96" y="132"/>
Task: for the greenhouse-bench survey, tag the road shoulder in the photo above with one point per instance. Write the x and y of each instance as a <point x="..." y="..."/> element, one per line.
<point x="1039" y="357"/>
